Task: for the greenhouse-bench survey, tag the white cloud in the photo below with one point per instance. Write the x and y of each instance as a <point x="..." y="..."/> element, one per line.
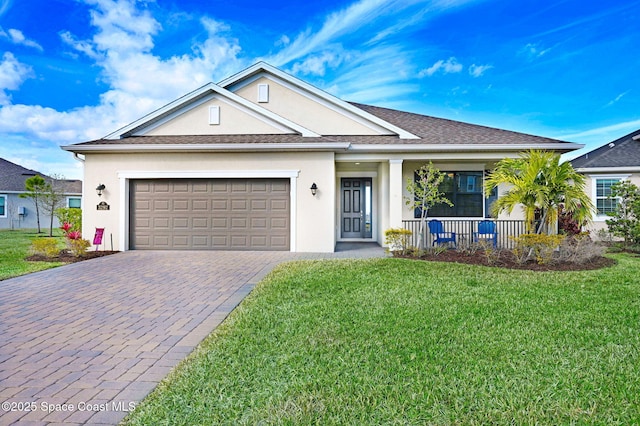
<point x="138" y="80"/>
<point x="17" y="37"/>
<point x="627" y="126"/>
<point x="450" y="66"/>
<point x="12" y="74"/>
<point x="317" y="64"/>
<point x="614" y="101"/>
<point x="479" y="70"/>
<point x="533" y="51"/>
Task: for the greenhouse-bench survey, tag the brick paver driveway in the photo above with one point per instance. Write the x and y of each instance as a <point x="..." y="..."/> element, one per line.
<point x="83" y="343"/>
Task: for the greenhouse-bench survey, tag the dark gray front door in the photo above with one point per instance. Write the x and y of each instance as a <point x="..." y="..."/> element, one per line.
<point x="356" y="211"/>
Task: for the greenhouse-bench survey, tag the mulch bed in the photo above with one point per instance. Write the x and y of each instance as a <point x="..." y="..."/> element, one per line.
<point x="67" y="257"/>
<point x="505" y="259"/>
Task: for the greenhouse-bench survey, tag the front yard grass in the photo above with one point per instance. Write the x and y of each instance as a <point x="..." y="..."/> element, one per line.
<point x="14" y="248"/>
<point x="395" y="341"/>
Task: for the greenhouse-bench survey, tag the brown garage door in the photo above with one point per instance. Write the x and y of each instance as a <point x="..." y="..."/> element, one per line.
<point x="209" y="214"/>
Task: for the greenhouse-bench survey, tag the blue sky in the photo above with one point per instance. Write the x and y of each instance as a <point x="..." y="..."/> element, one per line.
<point x="76" y="70"/>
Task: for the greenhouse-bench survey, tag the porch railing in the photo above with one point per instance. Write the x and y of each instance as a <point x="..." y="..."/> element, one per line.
<point x="464" y="229"/>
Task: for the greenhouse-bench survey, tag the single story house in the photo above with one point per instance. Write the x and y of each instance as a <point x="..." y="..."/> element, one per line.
<point x="265" y="161"/>
<point x="612" y="162"/>
<point x="17" y="212"/>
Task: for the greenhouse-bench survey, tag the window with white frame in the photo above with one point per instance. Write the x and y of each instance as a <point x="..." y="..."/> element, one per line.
<point x="603" y="200"/>
<point x="74" y="202"/>
<point x="3" y="206"/>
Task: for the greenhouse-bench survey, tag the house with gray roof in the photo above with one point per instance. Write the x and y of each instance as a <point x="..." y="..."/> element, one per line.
<point x="20" y="213"/>
<point x="610" y="163"/>
<point x="265" y="161"/>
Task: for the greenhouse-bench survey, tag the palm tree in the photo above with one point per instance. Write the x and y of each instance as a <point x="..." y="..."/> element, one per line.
<point x="539" y="182"/>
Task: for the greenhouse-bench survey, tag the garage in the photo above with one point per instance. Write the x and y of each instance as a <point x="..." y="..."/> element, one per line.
<point x="209" y="214"/>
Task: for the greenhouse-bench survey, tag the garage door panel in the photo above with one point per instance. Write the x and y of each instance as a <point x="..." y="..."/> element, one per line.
<point x="200" y="223"/>
<point x="202" y="205"/>
<point x="241" y="205"/>
<point x="161" y="222"/>
<point x="220" y="223"/>
<point x="182" y="204"/>
<point x="213" y="214"/>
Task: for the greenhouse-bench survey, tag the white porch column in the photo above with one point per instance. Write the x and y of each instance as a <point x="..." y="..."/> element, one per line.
<point x="395" y="194"/>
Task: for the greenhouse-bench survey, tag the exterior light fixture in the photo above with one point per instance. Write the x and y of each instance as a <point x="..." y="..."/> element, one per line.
<point x="99" y="189"/>
<point x="314" y="189"/>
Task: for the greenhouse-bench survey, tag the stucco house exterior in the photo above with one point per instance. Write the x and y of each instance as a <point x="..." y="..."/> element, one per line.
<point x="610" y="163"/>
<point x="20" y="213"/>
<point x="265" y="161"/>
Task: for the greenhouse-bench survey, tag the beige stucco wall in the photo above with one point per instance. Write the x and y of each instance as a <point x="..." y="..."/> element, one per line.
<point x="598" y="222"/>
<point x="307" y="112"/>
<point x="234" y="119"/>
<point x="314" y="216"/>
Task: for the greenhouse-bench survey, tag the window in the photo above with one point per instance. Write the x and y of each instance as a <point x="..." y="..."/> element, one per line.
<point x="604" y="203"/>
<point x="464" y="190"/>
<point x="3" y="206"/>
<point x="74" y="202"/>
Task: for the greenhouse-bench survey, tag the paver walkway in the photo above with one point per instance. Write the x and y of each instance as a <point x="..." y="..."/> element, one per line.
<point x="84" y="343"/>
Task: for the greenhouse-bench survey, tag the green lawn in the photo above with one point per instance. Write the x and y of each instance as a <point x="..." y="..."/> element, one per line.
<point x="14" y="248"/>
<point x="393" y="341"/>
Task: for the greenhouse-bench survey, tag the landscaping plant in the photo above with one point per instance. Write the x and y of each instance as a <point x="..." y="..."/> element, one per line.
<point x="538" y="181"/>
<point x="425" y="190"/>
<point x="398" y="240"/>
<point x="76" y="244"/>
<point x="625" y="221"/>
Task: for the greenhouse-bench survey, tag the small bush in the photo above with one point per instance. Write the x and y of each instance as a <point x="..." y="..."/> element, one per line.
<point x="398" y="240"/>
<point x="47" y="247"/>
<point x="537" y="246"/>
<point x="78" y="246"/>
<point x="71" y="216"/>
<point x="491" y="254"/>
<point x="469" y="249"/>
<point x="579" y="249"/>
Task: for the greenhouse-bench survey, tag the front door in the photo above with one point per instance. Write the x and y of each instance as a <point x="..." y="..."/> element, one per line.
<point x="356" y="209"/>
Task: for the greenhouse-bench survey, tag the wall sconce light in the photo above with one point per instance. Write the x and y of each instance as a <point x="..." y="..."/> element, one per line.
<point x="99" y="189"/>
<point x="314" y="189"/>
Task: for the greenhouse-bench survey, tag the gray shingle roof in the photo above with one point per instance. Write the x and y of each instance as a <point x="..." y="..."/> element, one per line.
<point x="623" y="152"/>
<point x="13" y="176"/>
<point x="431" y="130"/>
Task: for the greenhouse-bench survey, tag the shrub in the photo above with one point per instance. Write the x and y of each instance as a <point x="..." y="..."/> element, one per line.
<point x="47" y="247"/>
<point x="579" y="249"/>
<point x="398" y="240"/>
<point x="567" y="225"/>
<point x="491" y="254"/>
<point x="625" y="221"/>
<point x="538" y="246"/>
<point x="78" y="246"/>
<point x="71" y="216"/>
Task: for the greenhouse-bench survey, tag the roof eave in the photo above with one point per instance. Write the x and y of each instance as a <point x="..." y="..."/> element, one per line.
<point x="609" y="170"/>
<point x="562" y="147"/>
<point x="223" y="147"/>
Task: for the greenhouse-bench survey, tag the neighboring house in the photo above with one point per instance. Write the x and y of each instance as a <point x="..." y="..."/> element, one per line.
<point x="17" y="212"/>
<point x="265" y="161"/>
<point x="605" y="166"/>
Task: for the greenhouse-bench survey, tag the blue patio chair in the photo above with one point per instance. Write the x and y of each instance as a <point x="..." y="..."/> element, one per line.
<point x="486" y="232"/>
<point x="439" y="236"/>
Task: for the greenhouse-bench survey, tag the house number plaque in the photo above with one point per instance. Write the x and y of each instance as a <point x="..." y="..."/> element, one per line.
<point x="103" y="205"/>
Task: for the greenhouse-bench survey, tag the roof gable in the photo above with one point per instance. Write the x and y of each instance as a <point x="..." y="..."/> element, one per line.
<point x="304" y="103"/>
<point x="622" y="152"/>
<point x="153" y="122"/>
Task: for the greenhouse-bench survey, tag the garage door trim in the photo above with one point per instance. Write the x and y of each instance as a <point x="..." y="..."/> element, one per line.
<point x="125" y="176"/>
